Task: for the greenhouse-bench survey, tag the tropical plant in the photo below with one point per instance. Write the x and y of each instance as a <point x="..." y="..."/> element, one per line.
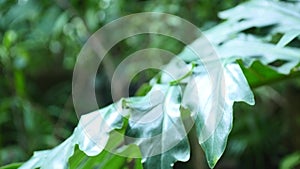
<point x="263" y="32"/>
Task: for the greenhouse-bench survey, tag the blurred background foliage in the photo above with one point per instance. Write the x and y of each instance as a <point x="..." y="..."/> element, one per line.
<point x="40" y="41"/>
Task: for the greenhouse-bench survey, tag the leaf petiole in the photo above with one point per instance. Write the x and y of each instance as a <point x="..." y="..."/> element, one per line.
<point x="177" y="81"/>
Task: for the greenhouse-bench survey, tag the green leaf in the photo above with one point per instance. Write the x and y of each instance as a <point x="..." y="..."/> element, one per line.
<point x="249" y="49"/>
<point x="290" y="161"/>
<point x="211" y="106"/>
<point x="11" y="166"/>
<point x="259" y="75"/>
<point x="154" y="119"/>
<point x="9" y="38"/>
<point x="103" y="160"/>
<point x="91" y="134"/>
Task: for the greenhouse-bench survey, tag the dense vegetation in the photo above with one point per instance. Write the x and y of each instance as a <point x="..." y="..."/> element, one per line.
<point x="40" y="42"/>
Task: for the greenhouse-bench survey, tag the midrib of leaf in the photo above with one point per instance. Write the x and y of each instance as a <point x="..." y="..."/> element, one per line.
<point x="164" y="127"/>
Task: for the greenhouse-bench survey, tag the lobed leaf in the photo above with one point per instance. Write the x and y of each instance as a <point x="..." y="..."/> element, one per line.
<point x="91" y="135"/>
<point x="155" y="126"/>
<point x="155" y="123"/>
<point x="211" y="106"/>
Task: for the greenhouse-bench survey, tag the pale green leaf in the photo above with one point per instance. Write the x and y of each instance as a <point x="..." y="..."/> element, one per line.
<point x="154" y="119"/>
<point x="250" y="49"/>
<point x="288" y="37"/>
<point x="211" y="106"/>
<point x="91" y="134"/>
<point x="209" y="96"/>
<point x="284" y="16"/>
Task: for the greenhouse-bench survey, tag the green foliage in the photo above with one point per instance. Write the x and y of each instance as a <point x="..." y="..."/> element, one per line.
<point x="247" y="48"/>
<point x="258" y="36"/>
<point x="158" y="150"/>
<point x="11" y="166"/>
<point x="290" y="161"/>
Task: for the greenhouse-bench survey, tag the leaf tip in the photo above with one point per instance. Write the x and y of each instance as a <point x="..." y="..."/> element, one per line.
<point x="212" y="163"/>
